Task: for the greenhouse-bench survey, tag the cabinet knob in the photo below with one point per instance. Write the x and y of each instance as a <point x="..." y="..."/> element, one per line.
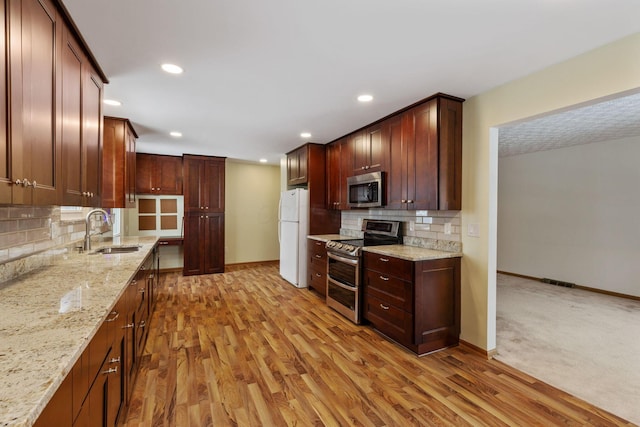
<point x="141" y="290"/>
<point x="26" y="183"/>
<point x="384" y="307"/>
<point x="367" y="167"/>
<point x="363" y="167"/>
<point x="91" y="194"/>
<point x="403" y="201"/>
<point x="409" y="201"/>
<point x="142" y="324"/>
<point x="18" y="182"/>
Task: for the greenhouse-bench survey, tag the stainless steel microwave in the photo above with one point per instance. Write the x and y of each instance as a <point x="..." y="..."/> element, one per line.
<point x="366" y="191"/>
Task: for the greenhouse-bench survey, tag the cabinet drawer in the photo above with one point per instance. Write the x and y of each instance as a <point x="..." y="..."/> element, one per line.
<point x="388" y="265"/>
<point x="390" y="320"/>
<point x="389" y="289"/>
<point x="317" y="247"/>
<point x="318" y="280"/>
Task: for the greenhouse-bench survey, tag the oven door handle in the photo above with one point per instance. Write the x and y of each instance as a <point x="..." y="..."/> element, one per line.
<point x="342" y="259"/>
<point x="342" y="285"/>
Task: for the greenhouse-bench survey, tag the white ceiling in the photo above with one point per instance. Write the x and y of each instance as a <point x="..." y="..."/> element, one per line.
<point x="257" y="73"/>
<point x="603" y="121"/>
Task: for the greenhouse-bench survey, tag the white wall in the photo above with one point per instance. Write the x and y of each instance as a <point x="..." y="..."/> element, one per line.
<point x="608" y="70"/>
<point x="572" y="214"/>
<point x="252" y="194"/>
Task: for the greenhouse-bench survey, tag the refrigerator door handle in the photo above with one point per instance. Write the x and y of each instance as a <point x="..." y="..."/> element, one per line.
<point x="279" y="219"/>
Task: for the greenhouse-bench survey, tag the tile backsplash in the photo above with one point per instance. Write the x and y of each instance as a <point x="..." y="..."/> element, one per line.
<point x="33" y="230"/>
<point x="427" y="229"/>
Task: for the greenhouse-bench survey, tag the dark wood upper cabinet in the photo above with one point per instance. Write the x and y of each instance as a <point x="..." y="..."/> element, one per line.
<point x="45" y="142"/>
<point x="369" y="150"/>
<point x="339" y="163"/>
<point x="297" y="167"/>
<point x="118" y="163"/>
<point x="425" y="163"/>
<point x="35" y="30"/>
<point x="81" y="137"/>
<point x="203" y="183"/>
<point x="158" y="174"/>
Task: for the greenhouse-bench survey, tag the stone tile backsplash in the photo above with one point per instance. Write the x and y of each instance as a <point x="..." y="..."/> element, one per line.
<point x="428" y="229"/>
<point x="31" y="230"/>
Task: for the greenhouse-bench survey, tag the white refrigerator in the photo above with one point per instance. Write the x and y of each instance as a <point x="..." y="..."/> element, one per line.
<point x="293" y="227"/>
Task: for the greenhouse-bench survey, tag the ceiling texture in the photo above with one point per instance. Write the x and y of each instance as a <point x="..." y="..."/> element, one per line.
<point x="258" y="73"/>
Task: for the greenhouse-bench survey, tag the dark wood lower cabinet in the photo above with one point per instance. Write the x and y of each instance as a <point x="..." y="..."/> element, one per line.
<point x="98" y="388"/>
<point x="203" y="243"/>
<point x="317" y="266"/>
<point x="416" y="304"/>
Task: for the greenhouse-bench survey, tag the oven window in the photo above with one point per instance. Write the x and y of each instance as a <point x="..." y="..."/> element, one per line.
<point x="343" y="272"/>
<point x="346" y="297"/>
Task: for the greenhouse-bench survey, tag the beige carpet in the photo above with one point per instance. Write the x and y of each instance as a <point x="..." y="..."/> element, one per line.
<point x="584" y="343"/>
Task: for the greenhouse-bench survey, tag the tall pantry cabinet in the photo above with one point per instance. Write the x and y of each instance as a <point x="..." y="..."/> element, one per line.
<point x="203" y="214"/>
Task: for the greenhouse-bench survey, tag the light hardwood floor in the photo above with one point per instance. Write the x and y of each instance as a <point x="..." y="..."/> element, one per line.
<point x="246" y="348"/>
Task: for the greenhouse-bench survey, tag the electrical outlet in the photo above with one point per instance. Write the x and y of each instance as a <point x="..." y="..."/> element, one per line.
<point x="412" y="225"/>
<point x="447" y="228"/>
<point x="473" y="230"/>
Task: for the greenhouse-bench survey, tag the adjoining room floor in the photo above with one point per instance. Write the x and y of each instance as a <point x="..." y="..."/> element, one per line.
<point x="584" y="343"/>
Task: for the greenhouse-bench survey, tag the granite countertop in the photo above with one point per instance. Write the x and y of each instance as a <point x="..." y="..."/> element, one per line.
<point x="411" y="253"/>
<point x="326" y="237"/>
<point x="48" y="318"/>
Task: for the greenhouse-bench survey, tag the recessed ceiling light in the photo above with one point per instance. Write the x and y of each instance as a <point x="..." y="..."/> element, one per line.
<point x="176" y="134"/>
<point x="112" y="102"/>
<point x="305" y="135"/>
<point x="172" y="68"/>
<point x="263" y="160"/>
<point x="365" y="98"/>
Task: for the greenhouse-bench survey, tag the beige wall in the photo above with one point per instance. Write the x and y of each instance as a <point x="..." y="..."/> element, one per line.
<point x="603" y="72"/>
<point x="252" y="194"/>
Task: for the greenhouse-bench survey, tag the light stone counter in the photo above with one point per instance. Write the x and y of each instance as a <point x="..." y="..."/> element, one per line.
<point x="411" y="253"/>
<point x="326" y="237"/>
<point x="48" y="317"/>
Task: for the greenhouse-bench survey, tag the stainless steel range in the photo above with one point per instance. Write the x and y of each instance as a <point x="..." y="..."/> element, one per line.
<point x="344" y="265"/>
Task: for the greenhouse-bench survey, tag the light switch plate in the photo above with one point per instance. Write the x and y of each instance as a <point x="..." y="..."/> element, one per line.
<point x="473" y="230"/>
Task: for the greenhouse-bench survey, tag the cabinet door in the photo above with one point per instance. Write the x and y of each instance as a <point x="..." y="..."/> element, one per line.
<point x="450" y="152"/>
<point x="395" y="133"/>
<point x="297" y="165"/>
<point x="333" y="175"/>
<point x="193" y="244"/>
<point x="193" y="175"/>
<point x="72" y="59"/>
<point x="422" y="176"/>
<point x="35" y="154"/>
<point x="58" y="410"/>
<point x="145" y="165"/>
<point x="376" y="147"/>
<point x="92" y="136"/>
<point x="360" y="153"/>
<point x="168" y="178"/>
<point x="130" y="170"/>
<point x="213" y="186"/>
<point x="213" y="255"/>
<point x="5" y="140"/>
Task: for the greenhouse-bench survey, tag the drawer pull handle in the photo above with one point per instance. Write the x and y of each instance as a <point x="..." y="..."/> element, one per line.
<point x="318" y="256"/>
<point x="141" y="290"/>
<point x="384" y="278"/>
<point x="142" y="324"/>
<point x="384" y="307"/>
<point x="318" y="275"/>
<point x="114" y="360"/>
<point x="110" y="371"/>
<point x="318" y="244"/>
<point x="384" y="259"/>
<point x="115" y="315"/>
<point x="129" y="326"/>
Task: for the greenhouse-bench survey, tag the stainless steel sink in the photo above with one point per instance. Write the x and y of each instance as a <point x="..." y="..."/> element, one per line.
<point x="117" y="249"/>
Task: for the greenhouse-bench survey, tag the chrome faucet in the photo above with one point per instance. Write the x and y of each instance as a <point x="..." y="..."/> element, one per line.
<point x="87" y="222"/>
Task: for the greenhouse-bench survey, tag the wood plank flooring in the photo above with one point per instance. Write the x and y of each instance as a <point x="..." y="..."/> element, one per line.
<point x="246" y="348"/>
